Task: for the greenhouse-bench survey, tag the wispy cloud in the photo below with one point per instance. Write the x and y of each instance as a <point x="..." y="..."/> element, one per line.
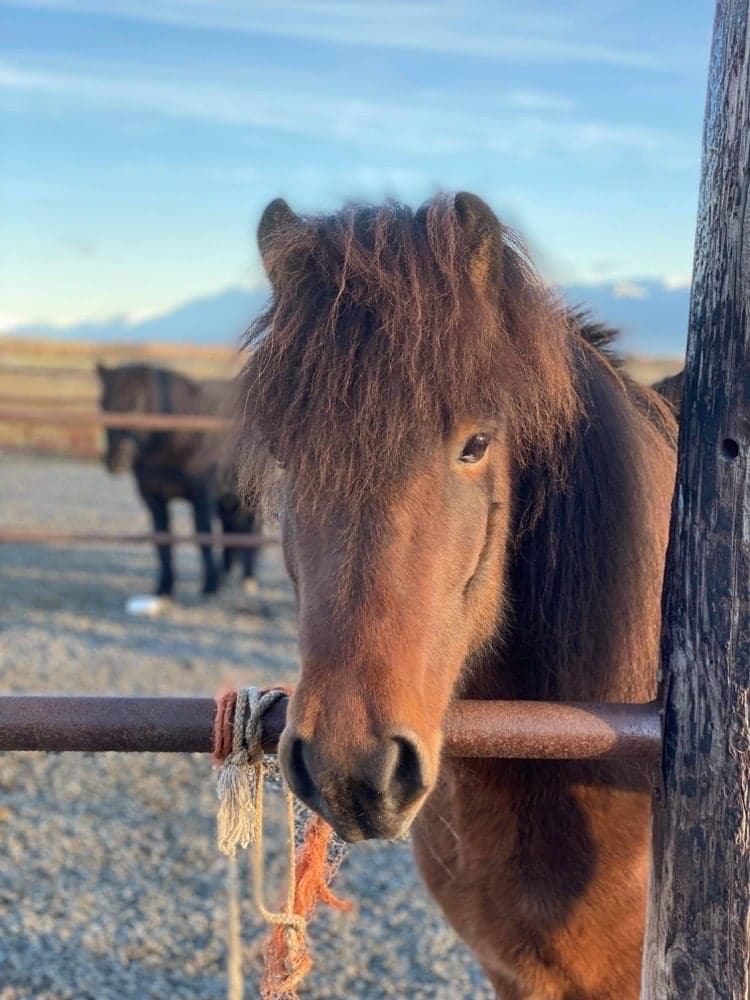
<point x="390" y="178"/>
<point x="519" y="125"/>
<point x="493" y="29"/>
<point x="299" y="113"/>
<point x="535" y="100"/>
<point x="145" y="135"/>
<point x="135" y="316"/>
<point x="630" y="290"/>
<point x="676" y="282"/>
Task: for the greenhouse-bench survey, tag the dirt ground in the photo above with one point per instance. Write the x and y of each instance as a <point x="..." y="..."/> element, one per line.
<point x="110" y="882"/>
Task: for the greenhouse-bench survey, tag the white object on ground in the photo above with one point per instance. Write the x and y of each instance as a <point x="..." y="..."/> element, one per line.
<point x="146" y="604"/>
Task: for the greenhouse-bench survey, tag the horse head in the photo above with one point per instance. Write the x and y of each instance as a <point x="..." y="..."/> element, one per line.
<point x="124" y="389"/>
<point x="408" y="365"/>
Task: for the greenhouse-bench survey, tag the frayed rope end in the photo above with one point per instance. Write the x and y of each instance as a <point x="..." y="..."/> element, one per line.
<point x="287" y="958"/>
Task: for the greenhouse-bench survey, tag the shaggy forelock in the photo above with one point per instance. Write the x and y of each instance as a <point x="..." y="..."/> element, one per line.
<point x="386" y="328"/>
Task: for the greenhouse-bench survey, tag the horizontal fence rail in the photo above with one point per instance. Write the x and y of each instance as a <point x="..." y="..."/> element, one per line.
<point x="46" y="403"/>
<point x="99" y="418"/>
<point x="520" y="729"/>
<point x="22" y="536"/>
<point x="47" y="371"/>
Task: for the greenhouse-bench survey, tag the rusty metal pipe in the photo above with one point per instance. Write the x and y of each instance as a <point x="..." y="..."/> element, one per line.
<point x="184" y="725"/>
<point x="555" y="730"/>
<point x="20" y="536"/>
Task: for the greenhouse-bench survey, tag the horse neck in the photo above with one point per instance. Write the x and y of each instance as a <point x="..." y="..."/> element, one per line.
<point x="581" y="621"/>
<point x="164" y="391"/>
<point x="161" y="393"/>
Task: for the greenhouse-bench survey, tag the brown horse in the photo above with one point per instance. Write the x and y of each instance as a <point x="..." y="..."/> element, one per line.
<point x="474" y="502"/>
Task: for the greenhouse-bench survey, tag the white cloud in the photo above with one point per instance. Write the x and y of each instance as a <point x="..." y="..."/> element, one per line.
<point x="528" y="136"/>
<point x="135" y="316"/>
<point x="629" y="290"/>
<point x="676" y="282"/>
<point x="13" y="78"/>
<point x="299" y="112"/>
<point x="9" y="323"/>
<point x="298" y="108"/>
<point x="535" y="100"/>
<point x="386" y="178"/>
<point x="490" y="29"/>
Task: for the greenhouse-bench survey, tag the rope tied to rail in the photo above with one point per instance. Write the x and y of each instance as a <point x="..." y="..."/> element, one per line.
<point x="238" y="731"/>
<point x="240" y="780"/>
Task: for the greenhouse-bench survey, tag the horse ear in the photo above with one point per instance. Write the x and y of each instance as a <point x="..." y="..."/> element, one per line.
<point x="101" y="370"/>
<point x="276" y="215"/>
<point x="484" y="237"/>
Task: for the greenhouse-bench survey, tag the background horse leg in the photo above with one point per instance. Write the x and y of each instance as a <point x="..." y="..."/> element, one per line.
<point x="160" y="517"/>
<point x="225" y="507"/>
<point x="249" y="522"/>
<point x="238" y="519"/>
<point x="202" y="499"/>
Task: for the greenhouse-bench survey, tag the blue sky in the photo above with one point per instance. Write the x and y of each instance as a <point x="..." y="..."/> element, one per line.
<point x="140" y="139"/>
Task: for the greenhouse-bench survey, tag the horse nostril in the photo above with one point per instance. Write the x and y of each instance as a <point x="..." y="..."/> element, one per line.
<point x="408" y="780"/>
<point x="368" y="793"/>
<point x="298" y="769"/>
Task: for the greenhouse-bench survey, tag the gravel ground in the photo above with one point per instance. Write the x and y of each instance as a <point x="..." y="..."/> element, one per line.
<point x="110" y="882"/>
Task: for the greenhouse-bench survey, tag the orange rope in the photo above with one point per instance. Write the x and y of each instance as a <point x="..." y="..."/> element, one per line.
<point x="287" y="965"/>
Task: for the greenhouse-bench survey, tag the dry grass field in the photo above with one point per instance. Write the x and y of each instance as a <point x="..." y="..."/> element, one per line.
<point x="51" y="374"/>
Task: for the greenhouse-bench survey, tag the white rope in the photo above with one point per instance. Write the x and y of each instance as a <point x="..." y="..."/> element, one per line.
<point x="239" y="788"/>
<point x="235" y="976"/>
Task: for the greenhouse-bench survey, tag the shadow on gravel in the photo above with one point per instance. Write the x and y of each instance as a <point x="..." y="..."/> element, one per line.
<point x="177" y="642"/>
<point x="100" y="583"/>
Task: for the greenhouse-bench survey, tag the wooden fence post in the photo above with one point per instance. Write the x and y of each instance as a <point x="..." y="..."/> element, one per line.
<point x="698" y="934"/>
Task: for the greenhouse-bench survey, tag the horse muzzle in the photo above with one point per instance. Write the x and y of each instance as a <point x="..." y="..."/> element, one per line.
<point x="362" y="794"/>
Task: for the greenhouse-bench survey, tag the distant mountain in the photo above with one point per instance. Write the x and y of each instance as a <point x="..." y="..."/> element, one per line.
<point x="213" y="319"/>
<point x="652" y="318"/>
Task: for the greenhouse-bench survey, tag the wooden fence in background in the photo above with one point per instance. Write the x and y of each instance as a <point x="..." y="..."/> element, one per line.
<point x="49" y="376"/>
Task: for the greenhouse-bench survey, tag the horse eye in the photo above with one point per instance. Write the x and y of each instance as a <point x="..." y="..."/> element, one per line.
<point x="475" y="448"/>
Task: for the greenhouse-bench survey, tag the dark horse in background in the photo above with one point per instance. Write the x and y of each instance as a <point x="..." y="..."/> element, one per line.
<point x="474" y="501"/>
<point x="170" y="465"/>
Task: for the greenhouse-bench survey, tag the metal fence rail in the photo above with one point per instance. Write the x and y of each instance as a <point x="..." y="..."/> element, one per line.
<point x="521" y="729"/>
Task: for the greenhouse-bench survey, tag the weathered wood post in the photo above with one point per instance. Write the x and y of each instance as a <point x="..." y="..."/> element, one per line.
<point x="698" y="935"/>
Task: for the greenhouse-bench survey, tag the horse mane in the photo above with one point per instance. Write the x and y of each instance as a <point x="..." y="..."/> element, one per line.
<point x="379" y="337"/>
<point x="599" y="335"/>
<point x="582" y="564"/>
